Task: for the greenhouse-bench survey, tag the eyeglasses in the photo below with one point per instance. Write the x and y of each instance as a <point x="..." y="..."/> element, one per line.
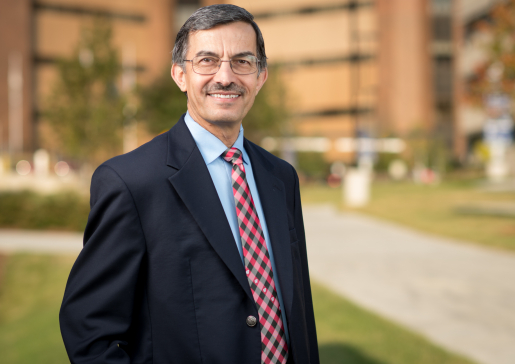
<point x="209" y="65"/>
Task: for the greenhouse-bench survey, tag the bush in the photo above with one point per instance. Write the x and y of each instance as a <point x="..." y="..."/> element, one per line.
<point x="383" y="161"/>
<point x="29" y="210"/>
<point x="312" y="165"/>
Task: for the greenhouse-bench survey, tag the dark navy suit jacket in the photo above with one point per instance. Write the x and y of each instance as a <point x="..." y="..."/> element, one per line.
<point x="159" y="279"/>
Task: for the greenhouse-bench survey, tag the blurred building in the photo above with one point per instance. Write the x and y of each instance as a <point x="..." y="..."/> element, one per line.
<point x="351" y="67"/>
<point x="34" y="34"/>
<point x="372" y="68"/>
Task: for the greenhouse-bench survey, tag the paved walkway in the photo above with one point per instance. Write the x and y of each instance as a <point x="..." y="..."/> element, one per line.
<point x="458" y="295"/>
<point x="40" y="241"/>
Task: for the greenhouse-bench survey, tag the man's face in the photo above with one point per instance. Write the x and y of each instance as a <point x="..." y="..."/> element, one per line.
<point x="204" y="101"/>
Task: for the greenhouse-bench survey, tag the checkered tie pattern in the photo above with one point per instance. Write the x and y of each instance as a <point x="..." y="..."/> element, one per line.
<point x="257" y="265"/>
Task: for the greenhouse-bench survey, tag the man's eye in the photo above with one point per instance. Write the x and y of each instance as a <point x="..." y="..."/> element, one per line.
<point x="206" y="60"/>
<point x="242" y="61"/>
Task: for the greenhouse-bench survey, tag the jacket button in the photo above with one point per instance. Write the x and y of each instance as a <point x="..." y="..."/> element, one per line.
<point x="251" y="321"/>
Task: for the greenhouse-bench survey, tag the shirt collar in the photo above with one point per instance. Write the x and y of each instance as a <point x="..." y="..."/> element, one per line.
<point x="209" y="145"/>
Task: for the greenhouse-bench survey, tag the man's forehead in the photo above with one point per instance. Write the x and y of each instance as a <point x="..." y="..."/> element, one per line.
<point x="238" y="35"/>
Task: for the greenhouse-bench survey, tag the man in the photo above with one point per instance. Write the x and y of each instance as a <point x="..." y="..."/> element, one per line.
<point x="194" y="250"/>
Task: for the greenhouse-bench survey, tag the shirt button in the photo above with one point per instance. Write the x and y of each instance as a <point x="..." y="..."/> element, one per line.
<point x="264" y="289"/>
<point x="255" y="281"/>
<point x="251" y="321"/>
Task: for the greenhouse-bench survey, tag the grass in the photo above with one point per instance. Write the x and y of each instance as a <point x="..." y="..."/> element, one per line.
<point x="31" y="292"/>
<point x="32" y="287"/>
<point x="431" y="209"/>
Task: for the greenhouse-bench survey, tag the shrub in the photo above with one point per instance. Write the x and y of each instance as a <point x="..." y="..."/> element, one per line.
<point x="29" y="210"/>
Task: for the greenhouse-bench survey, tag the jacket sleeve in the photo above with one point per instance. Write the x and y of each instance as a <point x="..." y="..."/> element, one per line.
<point x="98" y="302"/>
<point x="310" y="316"/>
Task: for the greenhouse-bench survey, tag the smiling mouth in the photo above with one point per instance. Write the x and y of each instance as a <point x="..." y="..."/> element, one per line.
<point x="222" y="96"/>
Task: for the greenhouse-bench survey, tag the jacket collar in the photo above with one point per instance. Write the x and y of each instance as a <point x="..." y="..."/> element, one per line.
<point x="180" y="144"/>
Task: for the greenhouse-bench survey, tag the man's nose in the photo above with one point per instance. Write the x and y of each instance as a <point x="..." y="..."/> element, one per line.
<point x="225" y="75"/>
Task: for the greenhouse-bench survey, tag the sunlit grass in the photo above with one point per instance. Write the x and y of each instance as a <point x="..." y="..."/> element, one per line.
<point x="432" y="209"/>
<point x="31" y="291"/>
<point x="32" y="287"/>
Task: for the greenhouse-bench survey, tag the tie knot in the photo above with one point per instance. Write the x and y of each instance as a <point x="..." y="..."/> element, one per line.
<point x="233" y="155"/>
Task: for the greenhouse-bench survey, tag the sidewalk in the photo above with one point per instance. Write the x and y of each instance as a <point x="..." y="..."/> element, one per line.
<point x="460" y="296"/>
<point x="40" y="241"/>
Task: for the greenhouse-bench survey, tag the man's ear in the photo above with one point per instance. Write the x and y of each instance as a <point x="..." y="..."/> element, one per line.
<point x="179" y="76"/>
<point x="261" y="79"/>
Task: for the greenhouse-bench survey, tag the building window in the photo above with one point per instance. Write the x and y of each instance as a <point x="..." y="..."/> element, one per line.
<point x="442" y="28"/>
<point x="443" y="76"/>
<point x="183" y="10"/>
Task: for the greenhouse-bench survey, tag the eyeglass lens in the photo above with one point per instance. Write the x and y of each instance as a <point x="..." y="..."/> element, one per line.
<point x="207" y="65"/>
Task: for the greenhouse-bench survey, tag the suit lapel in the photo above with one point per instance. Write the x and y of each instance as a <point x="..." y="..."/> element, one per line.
<point x="272" y="196"/>
<point x="194" y="185"/>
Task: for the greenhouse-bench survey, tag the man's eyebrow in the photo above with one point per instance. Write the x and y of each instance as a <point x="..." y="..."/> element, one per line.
<point x="213" y="54"/>
<point x="243" y="54"/>
<point x="206" y="53"/>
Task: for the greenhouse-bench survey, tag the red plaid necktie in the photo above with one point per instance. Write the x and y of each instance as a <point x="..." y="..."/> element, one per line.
<point x="257" y="265"/>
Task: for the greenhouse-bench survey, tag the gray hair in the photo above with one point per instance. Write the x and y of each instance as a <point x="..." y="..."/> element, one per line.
<point x="209" y="17"/>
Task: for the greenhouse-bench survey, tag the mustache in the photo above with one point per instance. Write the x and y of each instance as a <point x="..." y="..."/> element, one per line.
<point x="232" y="87"/>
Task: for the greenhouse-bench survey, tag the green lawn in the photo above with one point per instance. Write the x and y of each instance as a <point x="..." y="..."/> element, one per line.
<point x="31" y="290"/>
<point x="432" y="209"/>
<point x="32" y="286"/>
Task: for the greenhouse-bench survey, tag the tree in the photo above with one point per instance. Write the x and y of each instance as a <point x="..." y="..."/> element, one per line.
<point x="85" y="107"/>
<point x="269" y="114"/>
<point x="501" y="48"/>
<point x="162" y="103"/>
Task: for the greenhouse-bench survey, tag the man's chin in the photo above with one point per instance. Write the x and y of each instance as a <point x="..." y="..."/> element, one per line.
<point x="225" y="119"/>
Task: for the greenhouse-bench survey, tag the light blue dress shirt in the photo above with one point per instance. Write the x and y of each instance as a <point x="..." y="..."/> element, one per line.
<point x="211" y="149"/>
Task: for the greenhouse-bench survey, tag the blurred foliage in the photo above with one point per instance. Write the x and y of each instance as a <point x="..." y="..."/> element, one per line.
<point x="162" y="103"/>
<point x="429" y="149"/>
<point x="481" y="151"/>
<point x="85" y="110"/>
<point x="312" y="165"/>
<point x="268" y="116"/>
<point x="28" y="210"/>
<point x="501" y="26"/>
<point x="383" y="160"/>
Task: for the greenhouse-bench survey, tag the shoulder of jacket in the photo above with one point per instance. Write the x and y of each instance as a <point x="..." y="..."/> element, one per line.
<point x="152" y="150"/>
